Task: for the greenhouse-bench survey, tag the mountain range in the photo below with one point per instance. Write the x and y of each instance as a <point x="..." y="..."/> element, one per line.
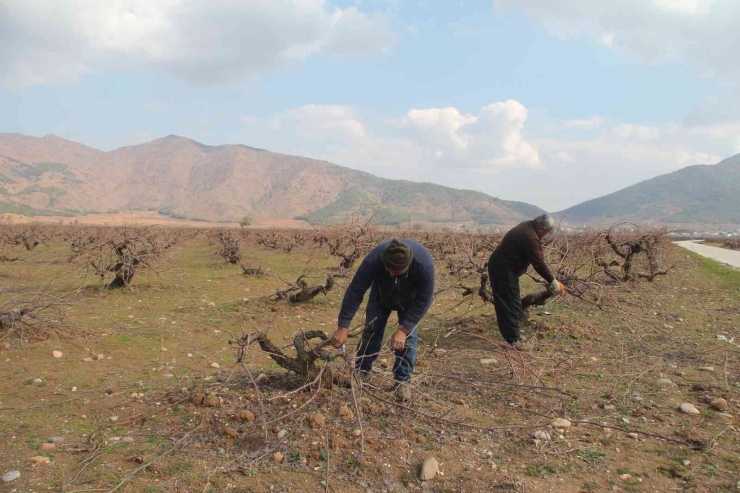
<point x="184" y="179"/>
<point x="695" y="195"/>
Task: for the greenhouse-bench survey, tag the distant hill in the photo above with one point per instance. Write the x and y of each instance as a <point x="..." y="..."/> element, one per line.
<point x="702" y="194"/>
<point x="185" y="179"/>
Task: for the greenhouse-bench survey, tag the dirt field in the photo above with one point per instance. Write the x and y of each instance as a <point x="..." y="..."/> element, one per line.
<point x="129" y="405"/>
<point x="144" y="218"/>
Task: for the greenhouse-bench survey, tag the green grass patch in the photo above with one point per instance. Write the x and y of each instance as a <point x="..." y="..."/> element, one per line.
<point x="33" y="171"/>
<point x="591" y="456"/>
<point x="47" y="190"/>
<point x="720" y="272"/>
<point x="25" y="210"/>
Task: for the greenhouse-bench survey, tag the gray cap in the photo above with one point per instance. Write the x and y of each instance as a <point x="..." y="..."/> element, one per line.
<point x="544" y="222"/>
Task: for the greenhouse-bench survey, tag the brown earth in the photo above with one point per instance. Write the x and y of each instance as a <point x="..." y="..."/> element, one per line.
<point x="159" y="340"/>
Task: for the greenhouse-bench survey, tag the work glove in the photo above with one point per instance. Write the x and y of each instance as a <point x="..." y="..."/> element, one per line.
<point x="556" y="287"/>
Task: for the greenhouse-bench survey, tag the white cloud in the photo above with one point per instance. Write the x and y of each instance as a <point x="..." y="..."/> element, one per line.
<point x="634" y="147"/>
<point x="684" y="7"/>
<point x="702" y="33"/>
<point x="443" y="126"/>
<point x="356" y="33"/>
<point x="48" y="41"/>
<point x="586" y="123"/>
<point x="487" y="150"/>
<point x="563" y="157"/>
<point x="588" y="166"/>
<point x="442" y="145"/>
<point x="320" y="122"/>
<point x="727" y="133"/>
<point x="639" y="132"/>
<point x="250" y="120"/>
<point x="487" y="142"/>
<point x="631" y="159"/>
<point x="440" y="137"/>
<point x="156" y="108"/>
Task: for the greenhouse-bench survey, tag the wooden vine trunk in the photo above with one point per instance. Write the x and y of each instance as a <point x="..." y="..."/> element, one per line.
<point x="304" y="362"/>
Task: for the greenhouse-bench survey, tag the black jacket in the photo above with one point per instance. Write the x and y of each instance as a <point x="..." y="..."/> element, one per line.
<point x="519" y="248"/>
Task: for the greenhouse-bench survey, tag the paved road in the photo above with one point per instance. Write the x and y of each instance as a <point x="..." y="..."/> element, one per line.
<point x="727" y="257"/>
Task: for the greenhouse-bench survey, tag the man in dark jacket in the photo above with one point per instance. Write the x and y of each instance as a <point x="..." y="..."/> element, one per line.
<point x="520" y="248"/>
<point x="400" y="276"/>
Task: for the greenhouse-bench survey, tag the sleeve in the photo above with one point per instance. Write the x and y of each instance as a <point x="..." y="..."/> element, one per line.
<point x="423" y="300"/>
<point x="356" y="291"/>
<point x="537" y="259"/>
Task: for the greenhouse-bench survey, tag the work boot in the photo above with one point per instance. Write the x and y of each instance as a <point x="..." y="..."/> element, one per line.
<point x="521" y="346"/>
<point x="403" y="391"/>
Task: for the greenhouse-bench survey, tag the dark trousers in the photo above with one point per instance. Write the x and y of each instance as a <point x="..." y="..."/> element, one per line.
<point x="507" y="300"/>
<point x="372" y="342"/>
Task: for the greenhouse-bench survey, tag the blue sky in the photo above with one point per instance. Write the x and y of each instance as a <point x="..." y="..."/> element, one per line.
<point x="551" y="102"/>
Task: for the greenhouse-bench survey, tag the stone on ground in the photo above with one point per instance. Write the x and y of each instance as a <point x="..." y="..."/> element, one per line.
<point x="560" y="423"/>
<point x="720" y="405"/>
<point x="688" y="408"/>
<point x="212" y="400"/>
<point x="429" y="469"/>
<point x="11" y="476"/>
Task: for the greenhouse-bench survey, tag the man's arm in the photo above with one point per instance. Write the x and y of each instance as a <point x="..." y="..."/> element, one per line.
<point x="537" y="259"/>
<point x="422" y="301"/>
<point x="356" y="291"/>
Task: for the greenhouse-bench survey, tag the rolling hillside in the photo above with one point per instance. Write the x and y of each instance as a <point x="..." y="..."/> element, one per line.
<point x="702" y="194"/>
<point x="185" y="179"/>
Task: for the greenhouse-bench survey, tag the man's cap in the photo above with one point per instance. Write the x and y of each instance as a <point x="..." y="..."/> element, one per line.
<point x="397" y="255"/>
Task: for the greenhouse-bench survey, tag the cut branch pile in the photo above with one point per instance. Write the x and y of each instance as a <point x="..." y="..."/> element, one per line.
<point x="32" y="313"/>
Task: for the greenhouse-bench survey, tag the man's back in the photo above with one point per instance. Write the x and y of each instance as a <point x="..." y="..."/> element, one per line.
<point x="519" y="248"/>
<point x="414" y="289"/>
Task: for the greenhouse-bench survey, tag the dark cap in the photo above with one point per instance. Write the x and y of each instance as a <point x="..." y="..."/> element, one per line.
<point x="397" y="255"/>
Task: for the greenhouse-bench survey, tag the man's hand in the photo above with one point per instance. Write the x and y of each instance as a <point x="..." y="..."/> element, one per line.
<point x="339" y="337"/>
<point x="557" y="287"/>
<point x="562" y="288"/>
<point x="399" y="340"/>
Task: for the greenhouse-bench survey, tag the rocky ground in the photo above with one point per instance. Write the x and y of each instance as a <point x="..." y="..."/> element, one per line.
<point x="139" y="390"/>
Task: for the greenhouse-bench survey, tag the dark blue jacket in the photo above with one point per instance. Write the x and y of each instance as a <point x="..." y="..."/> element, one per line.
<point x="410" y="293"/>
